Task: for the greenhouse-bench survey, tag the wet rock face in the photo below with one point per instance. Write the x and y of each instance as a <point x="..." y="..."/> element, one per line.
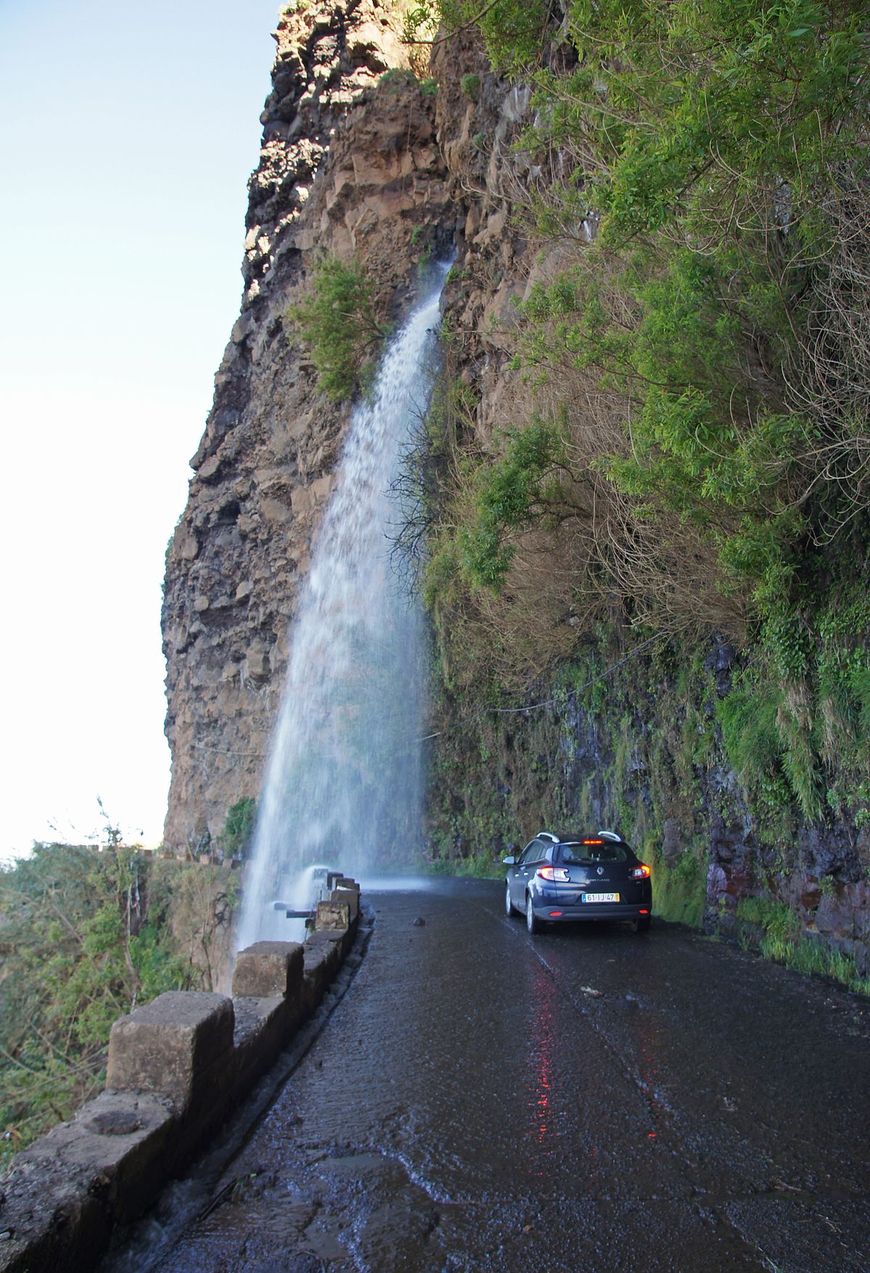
<point x="346" y="167"/>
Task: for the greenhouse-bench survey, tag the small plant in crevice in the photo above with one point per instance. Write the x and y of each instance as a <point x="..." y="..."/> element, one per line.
<point x="397" y="77"/>
<point x="239" y="827"/>
<point x="470" y="85"/>
<point x="339" y="321"/>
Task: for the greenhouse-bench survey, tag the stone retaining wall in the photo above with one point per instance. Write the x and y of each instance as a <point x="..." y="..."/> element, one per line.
<point x="178" y="1067"/>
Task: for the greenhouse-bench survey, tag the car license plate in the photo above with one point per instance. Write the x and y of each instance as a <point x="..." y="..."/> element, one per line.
<point x="599" y="897"/>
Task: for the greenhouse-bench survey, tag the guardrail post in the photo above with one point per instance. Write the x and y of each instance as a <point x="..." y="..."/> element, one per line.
<point x="170" y="1045"/>
<point x="269" y="968"/>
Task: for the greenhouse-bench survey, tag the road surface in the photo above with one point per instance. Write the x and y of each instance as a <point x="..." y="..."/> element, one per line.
<point x="585" y="1099"/>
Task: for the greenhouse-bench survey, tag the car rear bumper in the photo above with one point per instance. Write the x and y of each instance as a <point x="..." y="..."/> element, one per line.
<point x="554" y="913"/>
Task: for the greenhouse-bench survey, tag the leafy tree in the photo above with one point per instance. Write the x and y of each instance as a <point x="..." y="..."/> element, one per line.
<point x="338" y="320"/>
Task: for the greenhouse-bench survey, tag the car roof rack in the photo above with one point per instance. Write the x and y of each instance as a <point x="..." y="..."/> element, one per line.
<point x="610" y="835"/>
<point x="547" y="835"/>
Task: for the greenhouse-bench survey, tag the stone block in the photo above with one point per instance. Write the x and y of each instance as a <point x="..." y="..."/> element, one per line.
<point x="263" y="1029"/>
<point x="63" y="1193"/>
<point x="210" y="468"/>
<point x="323" y="955"/>
<point x="170" y="1045"/>
<point x="332" y="915"/>
<point x="268" y="968"/>
<point x="348" y="897"/>
<point x="320" y="964"/>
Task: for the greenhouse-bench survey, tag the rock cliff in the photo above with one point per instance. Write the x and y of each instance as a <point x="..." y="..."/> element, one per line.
<point x="361" y="160"/>
<point x="349" y="165"/>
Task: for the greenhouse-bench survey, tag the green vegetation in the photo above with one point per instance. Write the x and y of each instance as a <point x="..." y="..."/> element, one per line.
<point x="470" y="85"/>
<point x="397" y="77"/>
<point x="678" y="888"/>
<point x="509" y="495"/>
<point x="338" y="320"/>
<point x="479" y="866"/>
<point x="690" y="451"/>
<point x="514" y="32"/>
<point x="85" y="935"/>
<point x="239" y="827"/>
<point x="781" y="940"/>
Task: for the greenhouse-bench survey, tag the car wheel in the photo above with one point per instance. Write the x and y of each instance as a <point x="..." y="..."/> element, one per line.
<point x="508" y="904"/>
<point x="641" y="924"/>
<point x="533" y="924"/>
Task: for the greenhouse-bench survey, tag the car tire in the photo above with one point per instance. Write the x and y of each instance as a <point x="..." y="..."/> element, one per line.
<point x="509" y="908"/>
<point x="642" y="923"/>
<point x="533" y="924"/>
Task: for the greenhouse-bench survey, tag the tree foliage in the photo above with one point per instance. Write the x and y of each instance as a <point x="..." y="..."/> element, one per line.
<point x="338" y="321"/>
<point x="704" y="344"/>
<point x="82" y="942"/>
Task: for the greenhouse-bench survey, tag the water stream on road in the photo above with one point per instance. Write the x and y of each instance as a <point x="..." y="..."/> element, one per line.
<point x="343" y="783"/>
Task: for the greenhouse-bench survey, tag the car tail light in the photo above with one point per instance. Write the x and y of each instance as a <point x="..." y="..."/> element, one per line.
<point x="556" y="873"/>
<point x="642" y="910"/>
<point x="555" y="914"/>
<point x="641" y="872"/>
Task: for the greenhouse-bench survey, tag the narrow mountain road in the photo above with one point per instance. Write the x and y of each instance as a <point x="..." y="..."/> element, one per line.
<point x="586" y="1099"/>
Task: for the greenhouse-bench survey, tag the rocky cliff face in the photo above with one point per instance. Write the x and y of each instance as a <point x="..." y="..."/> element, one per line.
<point x="380" y="171"/>
<point x="347" y="167"/>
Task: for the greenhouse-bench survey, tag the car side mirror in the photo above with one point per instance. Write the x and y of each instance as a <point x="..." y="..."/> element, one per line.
<point x="509" y="861"/>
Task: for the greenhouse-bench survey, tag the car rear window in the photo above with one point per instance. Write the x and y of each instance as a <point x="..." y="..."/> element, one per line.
<point x="583" y="854"/>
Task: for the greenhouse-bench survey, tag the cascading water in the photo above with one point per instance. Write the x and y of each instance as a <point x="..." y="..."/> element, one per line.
<point x="343" y="783"/>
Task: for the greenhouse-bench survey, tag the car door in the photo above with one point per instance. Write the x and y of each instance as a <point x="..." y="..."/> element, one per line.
<point x="519" y="875"/>
<point x="533" y="855"/>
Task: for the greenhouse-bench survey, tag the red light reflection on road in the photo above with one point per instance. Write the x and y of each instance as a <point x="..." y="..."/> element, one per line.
<point x="648" y="1065"/>
<point x="544" y="998"/>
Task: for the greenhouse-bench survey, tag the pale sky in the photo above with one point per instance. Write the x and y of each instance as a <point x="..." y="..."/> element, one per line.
<point x="127" y="134"/>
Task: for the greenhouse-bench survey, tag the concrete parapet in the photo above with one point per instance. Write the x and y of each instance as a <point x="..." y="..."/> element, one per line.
<point x="170" y="1045"/>
<point x="332" y="915"/>
<point x="178" y="1066"/>
<point x="348" y="897"/>
<point x="67" y="1190"/>
<point x="268" y="968"/>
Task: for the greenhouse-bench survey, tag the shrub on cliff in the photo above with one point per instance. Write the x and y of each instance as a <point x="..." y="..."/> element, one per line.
<point x="239" y="827"/>
<point x="705" y="344"/>
<point x="338" y="320"/>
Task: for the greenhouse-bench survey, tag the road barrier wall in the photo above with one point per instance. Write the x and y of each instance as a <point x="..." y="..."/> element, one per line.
<point x="178" y="1067"/>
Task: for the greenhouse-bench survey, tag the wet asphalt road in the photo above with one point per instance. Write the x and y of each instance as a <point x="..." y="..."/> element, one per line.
<point x="587" y="1099"/>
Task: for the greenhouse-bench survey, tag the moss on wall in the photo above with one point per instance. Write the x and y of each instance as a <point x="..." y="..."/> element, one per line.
<point x="632" y="740"/>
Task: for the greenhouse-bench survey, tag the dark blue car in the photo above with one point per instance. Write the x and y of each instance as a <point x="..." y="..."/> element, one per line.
<point x="578" y="878"/>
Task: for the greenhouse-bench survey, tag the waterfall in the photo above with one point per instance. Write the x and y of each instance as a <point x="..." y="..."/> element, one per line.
<point x="343" y="784"/>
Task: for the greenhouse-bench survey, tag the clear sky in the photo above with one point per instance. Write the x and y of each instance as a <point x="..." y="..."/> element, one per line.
<point x="127" y="133"/>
